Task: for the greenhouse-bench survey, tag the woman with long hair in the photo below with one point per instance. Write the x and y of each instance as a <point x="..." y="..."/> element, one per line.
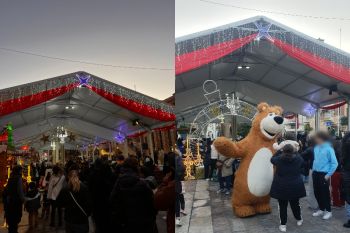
<point x="55" y="185"/>
<point x="288" y="186"/>
<point x="76" y="201"/>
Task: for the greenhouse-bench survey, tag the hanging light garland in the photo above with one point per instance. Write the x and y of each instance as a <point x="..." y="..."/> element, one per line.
<point x="25" y="96"/>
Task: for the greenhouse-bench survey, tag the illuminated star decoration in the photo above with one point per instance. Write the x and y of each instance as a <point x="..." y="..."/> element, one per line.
<point x="83" y="80"/>
<point x="44" y="138"/>
<point x="310" y="110"/>
<point x="119" y="138"/>
<point x="263" y="31"/>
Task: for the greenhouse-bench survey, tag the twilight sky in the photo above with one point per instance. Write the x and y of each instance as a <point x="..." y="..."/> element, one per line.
<point x="116" y="32"/>
<point x="195" y="15"/>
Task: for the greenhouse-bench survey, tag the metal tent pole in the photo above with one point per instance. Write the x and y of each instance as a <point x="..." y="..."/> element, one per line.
<point x="317" y="119"/>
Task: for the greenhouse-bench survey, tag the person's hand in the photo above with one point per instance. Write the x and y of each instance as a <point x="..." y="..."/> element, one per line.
<point x="326" y="177"/>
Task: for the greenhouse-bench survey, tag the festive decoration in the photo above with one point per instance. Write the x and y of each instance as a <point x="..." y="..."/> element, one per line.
<point x="199" y="51"/>
<point x="254" y="177"/>
<point x="4" y="135"/>
<point x="263" y="31"/>
<point x="192" y="60"/>
<point x="310" y="110"/>
<point x="334" y="106"/>
<point x="39" y="92"/>
<point x="323" y="65"/>
<point x="138" y="107"/>
<point x="45" y="138"/>
<point x="289" y="116"/>
<point x="216" y="110"/>
<point x="9" y="129"/>
<point x="83" y="80"/>
<point x="120" y="138"/>
<point x="188" y="163"/>
<point x="164" y="128"/>
<point x="25" y="148"/>
<point x="232" y="104"/>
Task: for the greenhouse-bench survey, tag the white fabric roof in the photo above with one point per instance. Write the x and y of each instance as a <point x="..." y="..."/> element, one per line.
<point x="274" y="77"/>
<point x="93" y="118"/>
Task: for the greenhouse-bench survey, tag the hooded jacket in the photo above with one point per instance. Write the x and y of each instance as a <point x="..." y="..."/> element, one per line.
<point x="287" y="183"/>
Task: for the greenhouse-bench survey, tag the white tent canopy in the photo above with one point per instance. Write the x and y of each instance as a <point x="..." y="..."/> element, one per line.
<point x="89" y="116"/>
<point x="273" y="76"/>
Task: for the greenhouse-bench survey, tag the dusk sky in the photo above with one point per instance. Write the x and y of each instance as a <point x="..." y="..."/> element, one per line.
<point x="196" y="15"/>
<point x="116" y="32"/>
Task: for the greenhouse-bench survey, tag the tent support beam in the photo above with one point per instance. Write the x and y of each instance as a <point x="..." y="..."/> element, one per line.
<point x="275" y="89"/>
<point x="317" y="119"/>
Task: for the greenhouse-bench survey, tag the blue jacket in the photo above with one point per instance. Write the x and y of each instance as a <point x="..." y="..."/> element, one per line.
<point x="325" y="159"/>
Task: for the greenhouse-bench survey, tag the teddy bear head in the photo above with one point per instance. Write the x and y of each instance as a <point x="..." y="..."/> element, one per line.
<point x="268" y="122"/>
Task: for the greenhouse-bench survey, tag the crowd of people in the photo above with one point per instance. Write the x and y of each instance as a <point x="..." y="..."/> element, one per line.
<point x="124" y="195"/>
<point x="320" y="161"/>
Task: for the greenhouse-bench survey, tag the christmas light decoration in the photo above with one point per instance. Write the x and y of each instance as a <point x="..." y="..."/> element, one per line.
<point x="263" y="31"/>
<point x="188" y="163"/>
<point x="204" y="49"/>
<point x="83" y="80"/>
<point x="310" y="110"/>
<point x="120" y="138"/>
<point x="39" y="92"/>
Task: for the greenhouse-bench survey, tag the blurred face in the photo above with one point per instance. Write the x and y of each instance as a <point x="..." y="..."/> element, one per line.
<point x="319" y="141"/>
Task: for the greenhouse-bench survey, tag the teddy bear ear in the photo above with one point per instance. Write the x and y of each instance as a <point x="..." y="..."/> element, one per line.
<point x="279" y="109"/>
<point x="262" y="106"/>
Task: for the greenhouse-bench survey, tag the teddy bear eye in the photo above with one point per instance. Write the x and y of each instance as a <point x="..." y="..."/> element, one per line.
<point x="270" y="114"/>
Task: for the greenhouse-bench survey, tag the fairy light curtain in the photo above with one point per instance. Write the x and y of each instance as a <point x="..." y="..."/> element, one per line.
<point x="200" y="51"/>
<point x="26" y="96"/>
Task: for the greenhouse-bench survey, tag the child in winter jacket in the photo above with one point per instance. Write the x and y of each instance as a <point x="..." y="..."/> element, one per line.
<point x="32" y="205"/>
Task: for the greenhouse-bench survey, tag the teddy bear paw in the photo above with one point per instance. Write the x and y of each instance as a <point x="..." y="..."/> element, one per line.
<point x="263" y="208"/>
<point x="244" y="211"/>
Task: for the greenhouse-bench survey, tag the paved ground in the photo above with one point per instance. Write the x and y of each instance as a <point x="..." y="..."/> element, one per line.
<point x="210" y="212"/>
<point x="45" y="228"/>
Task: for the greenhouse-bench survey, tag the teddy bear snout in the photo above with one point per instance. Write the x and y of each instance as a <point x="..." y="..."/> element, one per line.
<point x="278" y="120"/>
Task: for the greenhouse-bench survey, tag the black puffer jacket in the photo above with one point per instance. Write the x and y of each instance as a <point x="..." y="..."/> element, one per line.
<point x="287" y="183"/>
<point x="132" y="205"/>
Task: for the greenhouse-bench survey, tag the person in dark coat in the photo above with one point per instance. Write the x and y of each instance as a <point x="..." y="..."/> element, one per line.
<point x="346" y="175"/>
<point x="336" y="177"/>
<point x="13" y="198"/>
<point x="207" y="160"/>
<point x="131" y="202"/>
<point x="77" y="203"/>
<point x="164" y="198"/>
<point x="288" y="186"/>
<point x="32" y="205"/>
<point x="100" y="186"/>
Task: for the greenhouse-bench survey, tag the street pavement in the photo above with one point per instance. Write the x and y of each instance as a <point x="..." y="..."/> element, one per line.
<point x="209" y="212"/>
<point x="45" y="228"/>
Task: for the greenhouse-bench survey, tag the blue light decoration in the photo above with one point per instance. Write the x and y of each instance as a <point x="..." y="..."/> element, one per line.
<point x="83" y="80"/>
<point x="119" y="138"/>
<point x="310" y="110"/>
<point x="263" y="31"/>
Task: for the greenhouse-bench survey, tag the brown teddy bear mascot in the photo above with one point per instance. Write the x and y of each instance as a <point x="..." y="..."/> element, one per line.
<point x="254" y="176"/>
